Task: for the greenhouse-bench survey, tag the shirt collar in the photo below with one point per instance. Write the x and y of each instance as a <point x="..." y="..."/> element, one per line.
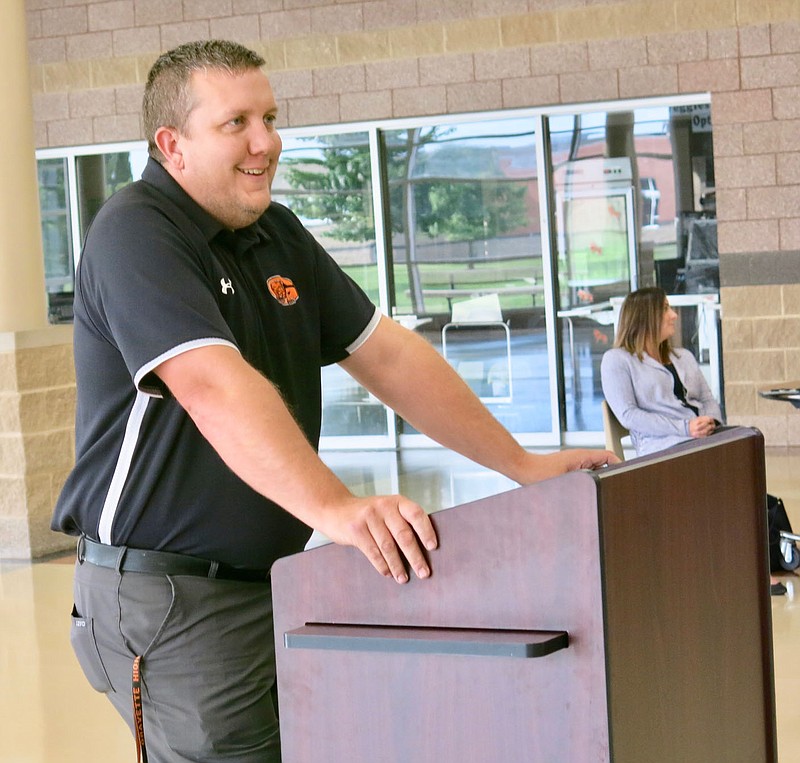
<point x="237" y="242"/>
<point x="157" y="176"/>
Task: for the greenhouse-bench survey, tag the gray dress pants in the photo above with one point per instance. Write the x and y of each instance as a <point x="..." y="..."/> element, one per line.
<point x="208" y="661"/>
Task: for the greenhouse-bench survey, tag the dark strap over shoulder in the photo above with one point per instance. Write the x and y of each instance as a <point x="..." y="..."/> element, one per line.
<point x="680" y="390"/>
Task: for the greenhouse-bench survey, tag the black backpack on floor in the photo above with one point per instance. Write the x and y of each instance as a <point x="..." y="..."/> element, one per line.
<point x="778" y="522"/>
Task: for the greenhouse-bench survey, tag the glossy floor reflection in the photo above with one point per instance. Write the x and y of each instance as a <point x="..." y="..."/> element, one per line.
<point x="783" y="479"/>
<point x="48" y="713"/>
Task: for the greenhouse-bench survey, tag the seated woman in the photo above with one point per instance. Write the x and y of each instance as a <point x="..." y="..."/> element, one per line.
<point x="657" y="391"/>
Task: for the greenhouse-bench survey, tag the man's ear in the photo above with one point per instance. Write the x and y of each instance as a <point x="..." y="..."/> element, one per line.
<point x="167" y="140"/>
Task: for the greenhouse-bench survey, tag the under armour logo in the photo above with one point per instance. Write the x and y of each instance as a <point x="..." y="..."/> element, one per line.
<point x="227" y="286"/>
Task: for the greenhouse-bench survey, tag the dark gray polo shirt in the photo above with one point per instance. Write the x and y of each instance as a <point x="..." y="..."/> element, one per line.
<point x="159" y="276"/>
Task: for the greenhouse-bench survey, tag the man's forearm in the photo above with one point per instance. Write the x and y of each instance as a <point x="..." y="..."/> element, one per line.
<point x="407" y="374"/>
<point x="245" y="420"/>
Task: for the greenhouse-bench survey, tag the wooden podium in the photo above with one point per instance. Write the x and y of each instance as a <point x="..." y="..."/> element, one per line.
<point x="621" y="615"/>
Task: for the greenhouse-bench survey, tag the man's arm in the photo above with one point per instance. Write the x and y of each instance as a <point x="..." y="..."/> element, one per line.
<point x="406" y="373"/>
<point x="247" y="422"/>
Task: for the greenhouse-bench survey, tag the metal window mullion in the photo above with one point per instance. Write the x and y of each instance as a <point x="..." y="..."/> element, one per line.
<point x="545" y="205"/>
<point x="377" y="177"/>
<point x="380" y="207"/>
<point x="74" y="215"/>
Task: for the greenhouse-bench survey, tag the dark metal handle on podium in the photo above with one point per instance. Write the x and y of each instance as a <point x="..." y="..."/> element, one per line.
<point x="401" y="639"/>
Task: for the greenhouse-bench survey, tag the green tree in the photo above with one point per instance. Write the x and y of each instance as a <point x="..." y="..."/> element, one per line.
<point x="336" y="187"/>
<point x="457" y="194"/>
<point x="443" y="188"/>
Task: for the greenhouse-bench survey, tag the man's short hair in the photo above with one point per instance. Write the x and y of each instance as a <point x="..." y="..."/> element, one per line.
<point x="167" y="94"/>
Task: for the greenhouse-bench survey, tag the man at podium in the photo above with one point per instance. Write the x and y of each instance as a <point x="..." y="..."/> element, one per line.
<point x="203" y="314"/>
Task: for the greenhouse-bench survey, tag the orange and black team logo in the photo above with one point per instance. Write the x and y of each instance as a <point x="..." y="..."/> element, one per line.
<point x="282" y="289"/>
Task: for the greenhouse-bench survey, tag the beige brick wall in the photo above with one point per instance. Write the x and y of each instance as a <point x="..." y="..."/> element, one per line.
<point x="761" y="344"/>
<point x="560" y="51"/>
<point x="757" y="155"/>
<point x="37" y="414"/>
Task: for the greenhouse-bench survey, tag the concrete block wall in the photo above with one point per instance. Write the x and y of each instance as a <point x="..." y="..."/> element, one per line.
<point x="37" y="431"/>
<point x="761" y="344"/>
<point x="351" y="61"/>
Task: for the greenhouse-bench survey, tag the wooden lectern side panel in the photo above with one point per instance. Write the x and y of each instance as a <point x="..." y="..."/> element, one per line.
<point x="526" y="560"/>
<point x="688" y="617"/>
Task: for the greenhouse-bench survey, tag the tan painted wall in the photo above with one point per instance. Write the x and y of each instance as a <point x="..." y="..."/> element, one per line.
<point x="22" y="292"/>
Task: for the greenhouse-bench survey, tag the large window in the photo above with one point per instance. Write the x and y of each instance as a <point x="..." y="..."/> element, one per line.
<point x="466" y="251"/>
<point x="56" y="237"/>
<point x="326" y="180"/>
<point x="506" y="239"/>
<point x="73" y="184"/>
<point x="633" y="193"/>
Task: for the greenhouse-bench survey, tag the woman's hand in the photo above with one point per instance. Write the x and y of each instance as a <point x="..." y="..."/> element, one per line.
<point x="702" y="426"/>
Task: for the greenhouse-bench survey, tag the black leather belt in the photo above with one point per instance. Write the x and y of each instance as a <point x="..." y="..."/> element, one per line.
<point x="163" y="563"/>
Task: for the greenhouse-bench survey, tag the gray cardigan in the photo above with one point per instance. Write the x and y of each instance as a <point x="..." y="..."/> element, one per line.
<point x="641" y="394"/>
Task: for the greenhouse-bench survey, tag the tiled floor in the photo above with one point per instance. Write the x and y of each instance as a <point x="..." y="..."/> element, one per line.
<point x="783" y="479"/>
<point x="48" y="714"/>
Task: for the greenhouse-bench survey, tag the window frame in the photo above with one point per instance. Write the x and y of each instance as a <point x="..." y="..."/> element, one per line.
<point x="557" y="436"/>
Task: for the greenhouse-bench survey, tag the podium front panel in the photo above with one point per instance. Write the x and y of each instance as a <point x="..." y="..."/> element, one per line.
<point x="624" y="564"/>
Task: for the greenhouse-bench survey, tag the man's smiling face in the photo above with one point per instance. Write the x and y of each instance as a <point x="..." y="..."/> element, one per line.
<point x="227" y="154"/>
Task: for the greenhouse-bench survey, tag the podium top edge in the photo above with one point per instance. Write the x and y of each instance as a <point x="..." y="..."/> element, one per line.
<point x="724" y="435"/>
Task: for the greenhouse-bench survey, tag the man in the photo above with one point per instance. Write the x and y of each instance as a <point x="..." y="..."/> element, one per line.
<point x="203" y="313"/>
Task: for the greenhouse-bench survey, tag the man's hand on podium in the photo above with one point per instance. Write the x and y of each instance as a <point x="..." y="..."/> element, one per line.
<point x="390" y="530"/>
<point x="536" y="467"/>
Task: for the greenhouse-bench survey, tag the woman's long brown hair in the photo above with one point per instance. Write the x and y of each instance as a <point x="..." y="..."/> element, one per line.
<point x="640" y="321"/>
